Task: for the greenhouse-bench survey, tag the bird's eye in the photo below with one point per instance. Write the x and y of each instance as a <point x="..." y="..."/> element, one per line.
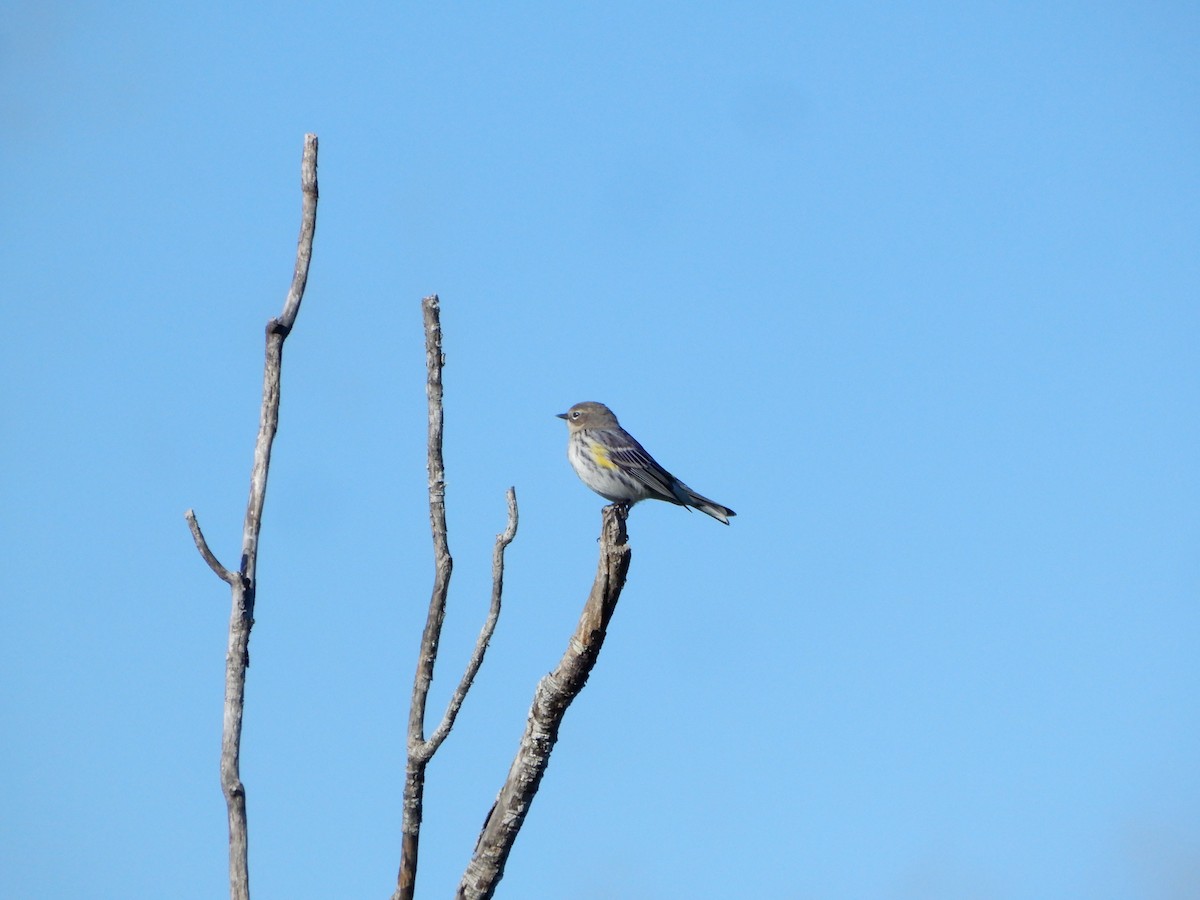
<point x="574" y="414"/>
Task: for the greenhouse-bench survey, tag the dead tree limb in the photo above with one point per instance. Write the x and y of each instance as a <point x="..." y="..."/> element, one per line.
<point x="420" y="749"/>
<point x="243" y="584"/>
<point x="550" y="701"/>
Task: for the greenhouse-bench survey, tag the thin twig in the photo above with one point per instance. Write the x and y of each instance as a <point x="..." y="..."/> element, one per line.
<point x="414" y="774"/>
<point x="485" y="633"/>
<point x="202" y="545"/>
<point x="420" y="750"/>
<point x="550" y="701"/>
<point x="243" y="584"/>
<point x="443" y="562"/>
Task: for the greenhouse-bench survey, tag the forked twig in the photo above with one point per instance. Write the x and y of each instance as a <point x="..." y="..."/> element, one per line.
<point x="243" y="584"/>
<point x="420" y="749"/>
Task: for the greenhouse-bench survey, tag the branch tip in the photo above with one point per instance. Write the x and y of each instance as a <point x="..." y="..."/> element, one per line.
<point x="205" y="551"/>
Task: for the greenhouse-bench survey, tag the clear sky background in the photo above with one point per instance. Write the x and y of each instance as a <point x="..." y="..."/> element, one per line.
<point x="915" y="289"/>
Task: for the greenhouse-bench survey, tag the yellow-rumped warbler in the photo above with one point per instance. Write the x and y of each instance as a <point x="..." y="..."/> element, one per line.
<point x="609" y="461"/>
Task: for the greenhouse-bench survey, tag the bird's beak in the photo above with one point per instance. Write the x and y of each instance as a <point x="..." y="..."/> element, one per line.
<point x="561" y="415"/>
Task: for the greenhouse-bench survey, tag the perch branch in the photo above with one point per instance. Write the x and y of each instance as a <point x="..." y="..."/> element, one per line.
<point x="243" y="583"/>
<point x="550" y="701"/>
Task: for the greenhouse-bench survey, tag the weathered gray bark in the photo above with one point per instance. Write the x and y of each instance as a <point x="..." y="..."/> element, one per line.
<point x="550" y="701"/>
<point x="243" y="583"/>
<point x="421" y="750"/>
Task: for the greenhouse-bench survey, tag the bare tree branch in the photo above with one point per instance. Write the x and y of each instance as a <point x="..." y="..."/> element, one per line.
<point x="550" y="701"/>
<point x="485" y="633"/>
<point x="243" y="585"/>
<point x="420" y="750"/>
<point x="202" y="545"/>
<point x="443" y="562"/>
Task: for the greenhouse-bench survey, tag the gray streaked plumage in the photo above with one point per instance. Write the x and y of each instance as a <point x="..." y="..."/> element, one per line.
<point x="608" y="460"/>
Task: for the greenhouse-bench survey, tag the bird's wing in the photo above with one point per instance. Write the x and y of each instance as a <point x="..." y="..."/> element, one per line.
<point x="634" y="459"/>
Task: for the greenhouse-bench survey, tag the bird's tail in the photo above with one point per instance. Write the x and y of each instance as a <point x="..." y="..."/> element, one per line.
<point x="688" y="497"/>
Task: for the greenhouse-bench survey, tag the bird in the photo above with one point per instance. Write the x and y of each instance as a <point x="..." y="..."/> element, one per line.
<point x="608" y="460"/>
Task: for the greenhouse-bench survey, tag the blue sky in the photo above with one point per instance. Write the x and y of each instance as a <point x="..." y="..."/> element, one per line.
<point x="914" y="289"/>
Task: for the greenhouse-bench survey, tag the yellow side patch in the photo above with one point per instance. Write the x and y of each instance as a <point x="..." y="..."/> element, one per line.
<point x="600" y="455"/>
